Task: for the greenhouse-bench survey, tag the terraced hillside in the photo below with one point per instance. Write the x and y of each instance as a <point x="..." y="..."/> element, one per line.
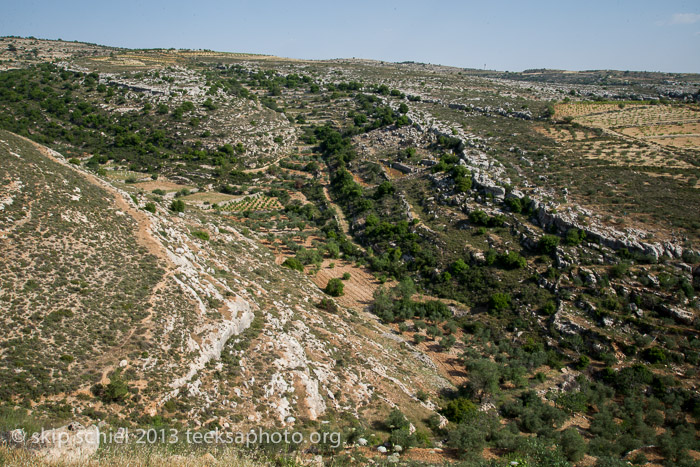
<point x="192" y="318"/>
<point x="469" y="265"/>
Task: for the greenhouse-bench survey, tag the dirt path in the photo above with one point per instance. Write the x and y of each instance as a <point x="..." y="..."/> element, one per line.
<point x="340" y="217"/>
<point x="263" y="168"/>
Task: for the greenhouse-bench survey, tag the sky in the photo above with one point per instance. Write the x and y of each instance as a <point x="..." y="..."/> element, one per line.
<point x="505" y="35"/>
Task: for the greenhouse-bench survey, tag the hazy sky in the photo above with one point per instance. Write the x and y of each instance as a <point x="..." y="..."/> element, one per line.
<point x="504" y="35"/>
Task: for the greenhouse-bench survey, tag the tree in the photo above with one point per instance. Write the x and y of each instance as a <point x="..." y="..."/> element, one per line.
<point x="572" y="444"/>
<point x="434" y="332"/>
<point x="483" y="377"/>
<point x="400" y="429"/>
<point x="209" y="104"/>
<point x="471" y="434"/>
<point x="447" y="342"/>
<point x="333" y="249"/>
<point x="335" y="287"/>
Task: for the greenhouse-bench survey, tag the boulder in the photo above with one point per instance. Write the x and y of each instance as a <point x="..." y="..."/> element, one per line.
<point x="679" y="314"/>
<point x="69" y="443"/>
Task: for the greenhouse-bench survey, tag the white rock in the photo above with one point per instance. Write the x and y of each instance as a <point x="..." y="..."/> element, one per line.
<point x="68" y="444"/>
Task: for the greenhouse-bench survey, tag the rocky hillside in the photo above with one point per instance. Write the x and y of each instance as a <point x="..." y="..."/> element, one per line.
<point x="442" y="264"/>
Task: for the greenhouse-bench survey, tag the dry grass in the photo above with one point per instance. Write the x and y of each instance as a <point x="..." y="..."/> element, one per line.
<point x="136" y="456"/>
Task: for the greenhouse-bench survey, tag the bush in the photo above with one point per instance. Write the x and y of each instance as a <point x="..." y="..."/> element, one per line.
<point x="458" y="409"/>
<point x="293" y="263"/>
<point x="384" y="189"/>
<point x="447" y="342"/>
<point x="512" y="260"/>
<point x="74" y="161"/>
<point x="346" y="276"/>
<point x="399" y="426"/>
<point x="574" y="237"/>
<point x="514" y="204"/>
<point x="549" y="308"/>
<point x="654" y="355"/>
<point x="116" y="391"/>
<point x="478" y="217"/>
<point x="582" y="363"/>
<point x="200" y="234"/>
<point x="499" y="302"/>
<point x="619" y="270"/>
<point x="548" y="244"/>
<point x="334" y="287"/>
<point x="150" y="207"/>
<point x="328" y="305"/>
<point x="177" y="205"/>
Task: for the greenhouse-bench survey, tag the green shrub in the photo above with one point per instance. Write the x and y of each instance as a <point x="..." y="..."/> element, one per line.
<point x="150" y="207"/>
<point x="57" y="315"/>
<point x="549" y="308"/>
<point x="346" y="276"/>
<point x="202" y="235"/>
<point x="512" y="260"/>
<point x="574" y="237"/>
<point x="177" y="205"/>
<point x="458" y="409"/>
<point x="548" y="243"/>
<point x="654" y="355"/>
<point x="499" y="302"/>
<point x="293" y="263"/>
<point x="447" y="342"/>
<point x="582" y="363"/>
<point x="335" y="287"/>
<point x="328" y="305"/>
<point x="74" y="161"/>
<point x="514" y="204"/>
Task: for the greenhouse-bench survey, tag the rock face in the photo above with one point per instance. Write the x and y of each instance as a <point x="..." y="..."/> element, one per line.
<point x="679" y="314"/>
